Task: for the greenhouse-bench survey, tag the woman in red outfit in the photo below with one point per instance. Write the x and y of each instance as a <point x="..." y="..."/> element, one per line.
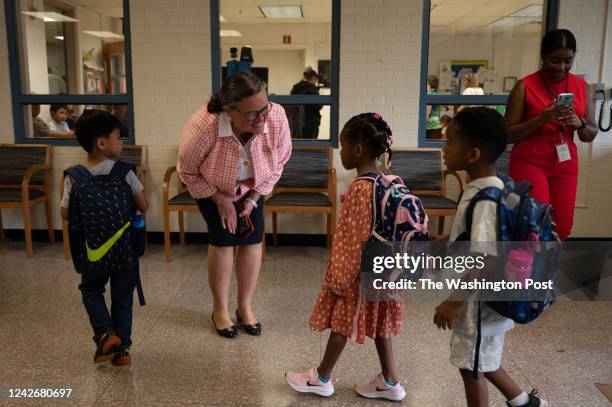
<point x="544" y="152"/>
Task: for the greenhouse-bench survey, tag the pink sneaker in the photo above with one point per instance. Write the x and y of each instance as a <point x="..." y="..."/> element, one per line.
<point x="308" y="382"/>
<point x="378" y="389"/>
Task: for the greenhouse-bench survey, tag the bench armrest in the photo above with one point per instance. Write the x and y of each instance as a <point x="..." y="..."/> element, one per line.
<point x="27" y="177"/>
<point x="332" y="185"/>
<point x="456" y="175"/>
<point x="167" y="177"/>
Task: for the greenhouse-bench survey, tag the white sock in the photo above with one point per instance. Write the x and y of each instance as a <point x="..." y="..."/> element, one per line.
<point x="520" y="400"/>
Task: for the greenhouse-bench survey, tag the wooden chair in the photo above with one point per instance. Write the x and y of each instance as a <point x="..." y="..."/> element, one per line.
<point x="423" y="171"/>
<point x="131" y="154"/>
<point x="181" y="202"/>
<point x="308" y="185"/>
<point x="25" y="180"/>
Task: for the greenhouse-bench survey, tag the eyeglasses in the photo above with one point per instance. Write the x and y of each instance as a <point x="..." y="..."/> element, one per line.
<point x="252" y="116"/>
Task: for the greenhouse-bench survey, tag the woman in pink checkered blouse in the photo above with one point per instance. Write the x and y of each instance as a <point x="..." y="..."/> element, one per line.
<point x="232" y="153"/>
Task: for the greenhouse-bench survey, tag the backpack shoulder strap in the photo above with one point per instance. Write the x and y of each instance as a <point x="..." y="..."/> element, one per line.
<point x="78" y="173"/>
<point x="492" y="194"/>
<point x="121" y="169"/>
<point x="371" y="176"/>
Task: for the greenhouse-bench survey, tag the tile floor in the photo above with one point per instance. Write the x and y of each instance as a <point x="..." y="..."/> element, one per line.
<point x="179" y="360"/>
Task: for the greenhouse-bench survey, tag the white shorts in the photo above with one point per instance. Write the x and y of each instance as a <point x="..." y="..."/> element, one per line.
<point x="463" y="348"/>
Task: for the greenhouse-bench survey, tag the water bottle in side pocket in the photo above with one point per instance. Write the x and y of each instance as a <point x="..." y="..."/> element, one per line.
<point x="139" y="235"/>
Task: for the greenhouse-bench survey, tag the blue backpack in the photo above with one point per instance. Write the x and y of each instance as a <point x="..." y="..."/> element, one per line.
<point x="398" y="215"/>
<point x="521" y="218"/>
<point x="100" y="213"/>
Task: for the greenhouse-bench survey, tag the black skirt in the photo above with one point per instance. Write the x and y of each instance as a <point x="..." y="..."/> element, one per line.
<point x="217" y="236"/>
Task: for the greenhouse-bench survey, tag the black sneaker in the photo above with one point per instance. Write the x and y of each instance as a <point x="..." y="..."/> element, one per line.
<point x="108" y="345"/>
<point x="534" y="401"/>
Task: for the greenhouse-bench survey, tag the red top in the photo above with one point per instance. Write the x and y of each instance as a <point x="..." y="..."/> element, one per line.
<point x="539" y="146"/>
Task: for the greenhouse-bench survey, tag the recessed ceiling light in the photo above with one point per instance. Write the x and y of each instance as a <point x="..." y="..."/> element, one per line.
<point x="59" y="37"/>
<point x="282" y="11"/>
<point x="534" y="10"/>
<point x="512" y="21"/>
<point x="50" y="16"/>
<point x="103" y="34"/>
<point x="524" y="16"/>
<point x="230" y="33"/>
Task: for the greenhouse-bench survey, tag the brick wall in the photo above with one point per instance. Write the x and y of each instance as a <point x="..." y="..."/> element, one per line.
<point x="380" y="62"/>
<point x="586" y="19"/>
<point x="172" y="79"/>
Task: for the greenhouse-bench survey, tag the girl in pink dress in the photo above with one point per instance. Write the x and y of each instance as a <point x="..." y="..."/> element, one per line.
<point x="364" y="138"/>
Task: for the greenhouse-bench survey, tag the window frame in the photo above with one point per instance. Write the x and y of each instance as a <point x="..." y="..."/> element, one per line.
<point x="329" y="100"/>
<point x="20" y="99"/>
<point x="551" y="10"/>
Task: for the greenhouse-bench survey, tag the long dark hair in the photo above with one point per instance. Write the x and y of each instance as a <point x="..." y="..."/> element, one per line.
<point x="241" y="85"/>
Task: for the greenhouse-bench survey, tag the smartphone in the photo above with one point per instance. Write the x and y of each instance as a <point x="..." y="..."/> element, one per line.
<point x="564" y="99"/>
<point x="245" y="225"/>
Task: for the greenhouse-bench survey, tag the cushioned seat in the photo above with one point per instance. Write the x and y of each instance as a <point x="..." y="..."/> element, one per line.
<point x="14" y="195"/>
<point x="437" y="202"/>
<point x="182" y="199"/>
<point x="299" y="199"/>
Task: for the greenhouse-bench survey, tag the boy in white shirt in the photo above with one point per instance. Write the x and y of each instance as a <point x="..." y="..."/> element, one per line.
<point x="477" y="136"/>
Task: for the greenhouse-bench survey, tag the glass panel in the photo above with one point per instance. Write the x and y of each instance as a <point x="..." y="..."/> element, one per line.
<point x="282" y="48"/>
<point x="308" y="122"/>
<point x="440" y="116"/>
<point x="72" y="47"/>
<point x="482" y="47"/>
<point x="57" y="121"/>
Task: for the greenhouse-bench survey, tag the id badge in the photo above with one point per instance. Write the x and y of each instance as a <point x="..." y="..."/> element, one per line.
<point x="563" y="153"/>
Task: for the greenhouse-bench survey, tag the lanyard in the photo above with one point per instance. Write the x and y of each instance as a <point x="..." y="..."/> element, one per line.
<point x="553" y="97"/>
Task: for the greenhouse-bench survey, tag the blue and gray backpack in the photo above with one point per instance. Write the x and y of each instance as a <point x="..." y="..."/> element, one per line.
<point x="100" y="213"/>
<point x="520" y="219"/>
<point x="520" y="216"/>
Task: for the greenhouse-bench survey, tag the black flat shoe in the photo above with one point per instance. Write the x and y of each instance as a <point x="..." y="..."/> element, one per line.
<point x="251" y="329"/>
<point x="230" y="333"/>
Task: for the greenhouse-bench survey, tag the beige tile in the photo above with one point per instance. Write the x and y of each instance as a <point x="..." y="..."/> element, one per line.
<point x="179" y="359"/>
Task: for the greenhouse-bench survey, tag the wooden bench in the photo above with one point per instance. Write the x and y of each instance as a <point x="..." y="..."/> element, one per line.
<point x="307" y="185"/>
<point x="180" y="202"/>
<point x="25" y="179"/>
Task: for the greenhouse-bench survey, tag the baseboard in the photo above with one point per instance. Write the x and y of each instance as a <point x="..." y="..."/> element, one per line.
<point x="284" y="239"/>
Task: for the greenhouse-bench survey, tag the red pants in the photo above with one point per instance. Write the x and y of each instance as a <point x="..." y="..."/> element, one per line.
<point x="553" y="183"/>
